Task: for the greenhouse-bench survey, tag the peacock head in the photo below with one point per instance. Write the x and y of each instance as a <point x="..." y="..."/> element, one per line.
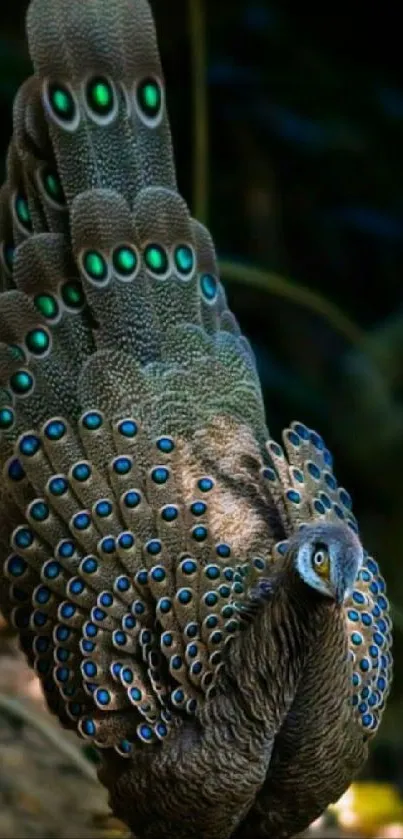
<point x="327" y="557"/>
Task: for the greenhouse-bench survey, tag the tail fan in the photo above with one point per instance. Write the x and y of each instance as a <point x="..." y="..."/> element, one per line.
<point x="131" y="414"/>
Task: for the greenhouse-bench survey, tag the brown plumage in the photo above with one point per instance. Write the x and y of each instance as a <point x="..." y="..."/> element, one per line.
<point x="194" y="598"/>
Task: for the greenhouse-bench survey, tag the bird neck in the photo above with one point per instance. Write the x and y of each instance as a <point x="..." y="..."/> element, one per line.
<point x="266" y="661"/>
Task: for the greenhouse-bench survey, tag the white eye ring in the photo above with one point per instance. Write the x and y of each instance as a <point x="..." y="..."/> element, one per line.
<point x="319" y="558"/>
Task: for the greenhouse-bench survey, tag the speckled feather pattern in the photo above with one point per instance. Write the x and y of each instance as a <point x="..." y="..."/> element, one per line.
<point x="151" y="532"/>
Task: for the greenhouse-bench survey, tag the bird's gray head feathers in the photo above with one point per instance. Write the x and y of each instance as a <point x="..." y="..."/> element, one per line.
<point x="328" y="557"/>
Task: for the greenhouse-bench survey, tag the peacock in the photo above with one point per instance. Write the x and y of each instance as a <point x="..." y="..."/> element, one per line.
<point x="193" y="596"/>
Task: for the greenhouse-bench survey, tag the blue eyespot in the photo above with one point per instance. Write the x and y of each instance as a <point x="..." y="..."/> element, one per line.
<point x="29" y="445"/>
<point x="23" y="538"/>
<point x="16" y="565"/>
<point x="102" y="696"/>
<point x="314" y="471"/>
<point x="212" y="572"/>
<point x="160" y="475"/>
<point x="345" y="498"/>
<point x="88" y="727"/>
<point x="131" y="499"/>
<point x="122" y="584"/>
<point x="199" y="533"/>
<point x="106" y="599"/>
<point x="136" y="694"/>
<point x="89" y="565"/>
<point x="275" y="449"/>
<point x="208" y="287"/>
<point x="128" y="428"/>
<point x="330" y="481"/>
<point x="301" y="430"/>
<point x="167" y="639"/>
<point x="81" y="472"/>
<point x="210" y="599"/>
<point x="372" y="566"/>
<point x="15" y="471"/>
<point x="161" y="730"/>
<point x="356" y="638"/>
<point x="293" y="496"/>
<point x="158" y="574"/>
<point x="154" y="547"/>
<point x="120" y="638"/>
<point x="39" y="511"/>
<point x="191" y="630"/>
<point x="169" y="513"/>
<point x="62" y="633"/>
<point x="145" y="733"/>
<point x="293" y="438"/>
<point x="90" y="669"/>
<point x="188" y="567"/>
<point x="92" y="420"/>
<point x="58" y="485"/>
<point x="65" y="549"/>
<point x="198" y="508"/>
<point x="81" y="521"/>
<point x="122" y="465"/>
<point x="75" y="586"/>
<point x="211" y="621"/>
<point x="269" y="474"/>
<point x="142" y="577"/>
<point x="165" y="445"/>
<point x="126" y="541"/>
<point x="205" y="484"/>
<point x="55" y="430"/>
<point x="184" y="596"/>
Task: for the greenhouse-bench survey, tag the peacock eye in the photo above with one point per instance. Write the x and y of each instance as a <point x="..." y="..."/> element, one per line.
<point x="321" y="561"/>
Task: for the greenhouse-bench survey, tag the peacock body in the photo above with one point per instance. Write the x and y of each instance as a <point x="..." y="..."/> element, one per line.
<point x="194" y="597"/>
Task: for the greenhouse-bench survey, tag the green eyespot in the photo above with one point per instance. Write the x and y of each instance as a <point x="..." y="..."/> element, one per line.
<point x="21" y="382"/>
<point x="52" y="186"/>
<point x="184" y="260"/>
<point x="72" y="295"/>
<point x="16" y="352"/>
<point x="62" y="103"/>
<point x="209" y="287"/>
<point x="156" y="259"/>
<point x="47" y="305"/>
<point x="6" y="418"/>
<point x="149" y="98"/>
<point x="22" y="211"/>
<point x="100" y="96"/>
<point x="95" y="266"/>
<point x="125" y="261"/>
<point x="38" y="341"/>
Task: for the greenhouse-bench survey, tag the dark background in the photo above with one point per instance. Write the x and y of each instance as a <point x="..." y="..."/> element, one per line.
<point x="305" y="110"/>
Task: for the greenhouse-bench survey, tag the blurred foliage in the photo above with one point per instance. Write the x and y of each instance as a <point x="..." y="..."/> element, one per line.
<point x="368" y="808"/>
<point x="297" y="165"/>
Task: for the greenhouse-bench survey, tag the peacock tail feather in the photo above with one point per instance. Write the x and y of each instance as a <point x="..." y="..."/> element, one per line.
<point x="141" y="498"/>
